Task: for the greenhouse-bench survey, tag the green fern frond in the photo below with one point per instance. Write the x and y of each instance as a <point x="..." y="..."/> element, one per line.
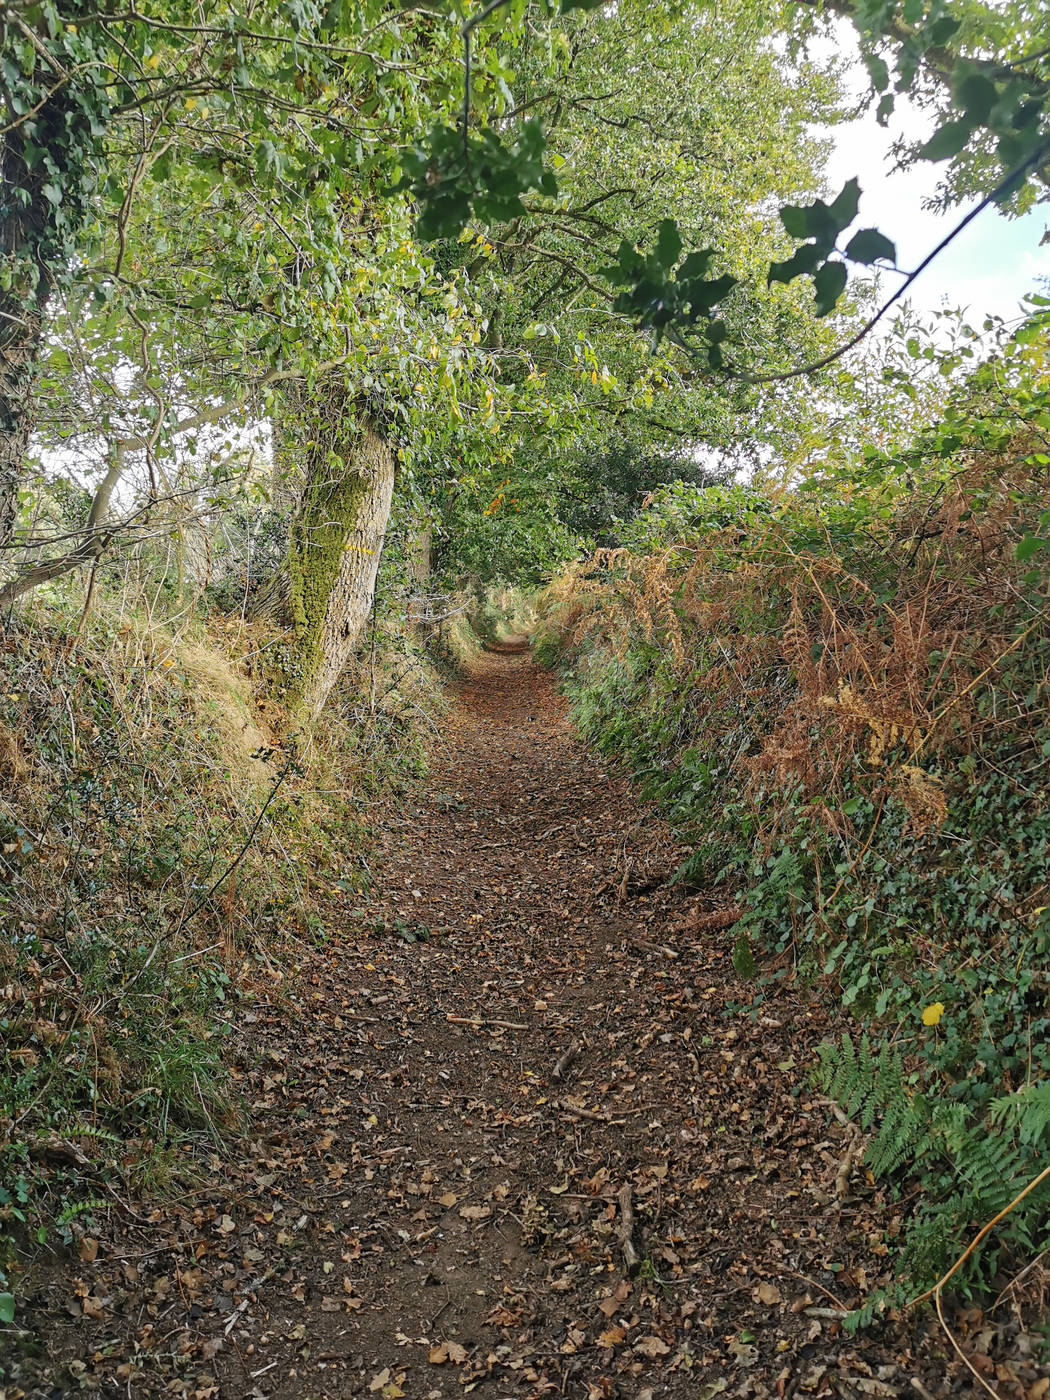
<point x="1026" y="1113"/>
<point x="79" y="1208"/>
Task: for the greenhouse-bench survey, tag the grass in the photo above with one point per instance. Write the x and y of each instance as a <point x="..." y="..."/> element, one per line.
<point x="166" y="835"/>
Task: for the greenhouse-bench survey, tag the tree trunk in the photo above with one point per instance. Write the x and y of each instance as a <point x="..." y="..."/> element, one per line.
<point x="418" y="550"/>
<point x="22" y="311"/>
<point x="334" y="548"/>
<point x="52" y="124"/>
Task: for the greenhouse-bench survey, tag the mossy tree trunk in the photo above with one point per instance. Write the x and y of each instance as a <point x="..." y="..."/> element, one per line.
<point x="334" y="548"/>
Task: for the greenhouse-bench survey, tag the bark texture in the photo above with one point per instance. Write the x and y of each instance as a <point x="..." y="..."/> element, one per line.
<point x="23" y="228"/>
<point x="418" y="554"/>
<point x="334" y="548"/>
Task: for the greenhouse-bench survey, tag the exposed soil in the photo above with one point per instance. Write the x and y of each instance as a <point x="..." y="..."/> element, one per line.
<point x="551" y="1147"/>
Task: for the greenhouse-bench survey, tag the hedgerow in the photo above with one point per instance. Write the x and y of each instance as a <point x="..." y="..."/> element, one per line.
<point x="839" y="692"/>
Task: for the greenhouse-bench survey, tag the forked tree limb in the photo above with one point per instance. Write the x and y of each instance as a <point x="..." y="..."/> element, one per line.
<point x="96" y="536"/>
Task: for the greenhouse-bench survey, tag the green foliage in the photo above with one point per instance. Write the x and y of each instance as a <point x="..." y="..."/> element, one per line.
<point x="970" y="1167"/>
<point x="451" y="175"/>
<point x="851" y="777"/>
<point x="1000" y="104"/>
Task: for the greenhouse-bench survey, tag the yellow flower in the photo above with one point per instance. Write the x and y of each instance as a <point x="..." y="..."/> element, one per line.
<point x="933" y="1013"/>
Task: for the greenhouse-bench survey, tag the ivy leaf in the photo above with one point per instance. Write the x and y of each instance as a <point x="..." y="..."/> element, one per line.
<point x="795" y="219"/>
<point x="843" y="209"/>
<point x="976" y="95"/>
<point x="703" y="296"/>
<point x="829" y="282"/>
<point x="943" y="29"/>
<point x="868" y="245"/>
<point x="823" y="222"/>
<point x="695" y="265"/>
<point x="885" y="108"/>
<point x="804" y="259"/>
<point x="1029" y="546"/>
<point x="7" y="1307"/>
<point x="878" y="72"/>
<point x="947" y="141"/>
<point x="668" y="243"/>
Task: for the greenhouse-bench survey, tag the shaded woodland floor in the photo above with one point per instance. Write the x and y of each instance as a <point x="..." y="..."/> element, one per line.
<point x="505" y="1139"/>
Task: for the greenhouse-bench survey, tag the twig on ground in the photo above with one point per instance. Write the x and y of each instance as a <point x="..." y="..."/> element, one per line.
<point x="473" y="1021"/>
<point x="566" y="1060"/>
<point x="626" y="1231"/>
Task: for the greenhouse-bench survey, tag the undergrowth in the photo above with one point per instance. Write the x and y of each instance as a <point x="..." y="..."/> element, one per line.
<point x="167" y="830"/>
<point x="840" y="692"/>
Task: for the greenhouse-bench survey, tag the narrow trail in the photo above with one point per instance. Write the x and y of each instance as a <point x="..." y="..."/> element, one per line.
<point x="527" y="1154"/>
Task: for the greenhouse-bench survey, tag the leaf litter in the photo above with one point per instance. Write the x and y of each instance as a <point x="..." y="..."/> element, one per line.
<point x="554" y="1148"/>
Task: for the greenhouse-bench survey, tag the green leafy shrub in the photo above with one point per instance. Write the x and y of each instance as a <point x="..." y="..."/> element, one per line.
<point x="839" y="693"/>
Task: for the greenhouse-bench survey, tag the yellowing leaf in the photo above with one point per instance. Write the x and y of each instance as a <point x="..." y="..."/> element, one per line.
<point x="933" y="1013"/>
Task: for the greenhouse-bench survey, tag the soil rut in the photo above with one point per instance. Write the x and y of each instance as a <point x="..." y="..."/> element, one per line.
<point x="506" y="1140"/>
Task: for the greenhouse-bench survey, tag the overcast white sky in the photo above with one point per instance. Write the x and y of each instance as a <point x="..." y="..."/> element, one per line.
<point x="988" y="268"/>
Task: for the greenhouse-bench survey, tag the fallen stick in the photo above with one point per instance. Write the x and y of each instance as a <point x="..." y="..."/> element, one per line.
<point x="854" y="1152"/>
<point x="626" y="1232"/>
<point x="567" y="1059"/>
<point x="470" y="1021"/>
<point x="660" y="948"/>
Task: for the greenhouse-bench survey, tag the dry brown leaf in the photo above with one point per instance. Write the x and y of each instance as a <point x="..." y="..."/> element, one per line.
<point x="502" y="1317"/>
<point x="652" y="1346"/>
<point x="611" y="1337"/>
<point x="620" y="1293"/>
<point x="447" y="1351"/>
<point x="475" y="1212"/>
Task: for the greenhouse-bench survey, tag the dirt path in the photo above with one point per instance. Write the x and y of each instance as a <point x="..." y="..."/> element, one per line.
<point x="604" y="1188"/>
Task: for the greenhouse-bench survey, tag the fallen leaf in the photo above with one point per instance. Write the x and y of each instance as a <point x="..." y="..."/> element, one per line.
<point x="769" y="1294"/>
<point x="475" y="1212"/>
<point x="502" y="1317"/>
<point x="380" y="1379"/>
<point x="448" y="1200"/>
<point x="447" y="1351"/>
<point x="652" y="1346"/>
<point x="612" y="1336"/>
<point x="620" y="1294"/>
